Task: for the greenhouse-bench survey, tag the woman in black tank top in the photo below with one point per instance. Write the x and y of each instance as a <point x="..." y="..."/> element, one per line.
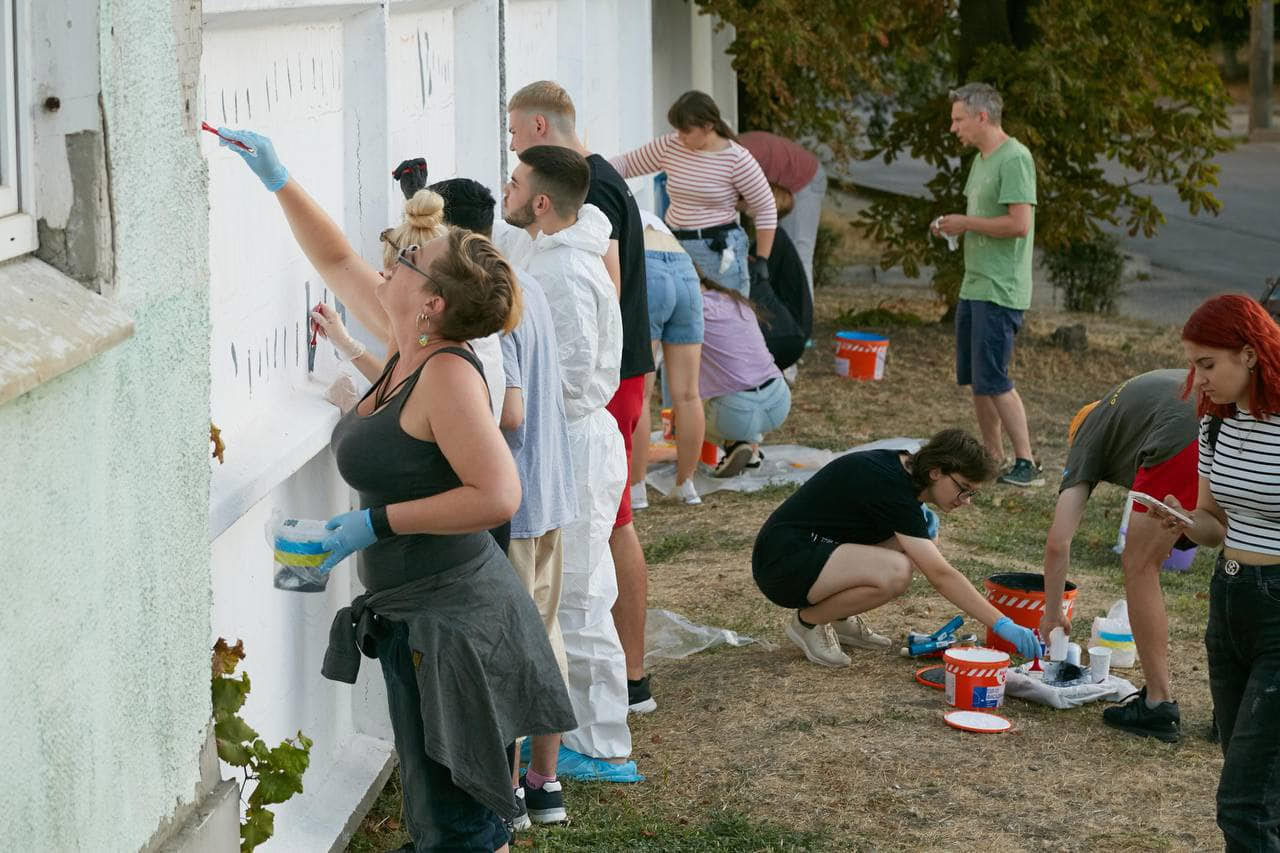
<point x="434" y="474"/>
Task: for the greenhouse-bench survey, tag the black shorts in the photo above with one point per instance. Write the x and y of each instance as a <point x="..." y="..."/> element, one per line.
<point x="786" y="562"/>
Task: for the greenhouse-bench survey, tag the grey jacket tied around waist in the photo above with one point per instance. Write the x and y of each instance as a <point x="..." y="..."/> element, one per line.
<point x="485" y="671"/>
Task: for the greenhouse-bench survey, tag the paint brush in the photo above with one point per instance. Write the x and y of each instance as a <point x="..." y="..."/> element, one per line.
<point x="204" y="125"/>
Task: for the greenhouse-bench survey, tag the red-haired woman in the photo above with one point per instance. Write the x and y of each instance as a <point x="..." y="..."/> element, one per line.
<point x="1233" y="345"/>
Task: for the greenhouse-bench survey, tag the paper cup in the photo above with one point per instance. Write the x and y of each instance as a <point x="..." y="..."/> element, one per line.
<point x="1057" y="644"/>
<point x="1073" y="654"/>
<point x="1099" y="663"/>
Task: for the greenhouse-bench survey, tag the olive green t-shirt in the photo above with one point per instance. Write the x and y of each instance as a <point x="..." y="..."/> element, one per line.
<point x="999" y="269"/>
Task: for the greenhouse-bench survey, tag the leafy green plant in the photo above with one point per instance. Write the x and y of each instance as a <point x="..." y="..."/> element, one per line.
<point x="1088" y="273"/>
<point x="277" y="771"/>
<point x="1145" y="97"/>
<point x="825" y="248"/>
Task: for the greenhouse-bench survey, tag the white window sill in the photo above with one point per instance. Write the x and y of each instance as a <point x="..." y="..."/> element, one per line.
<point x="49" y="324"/>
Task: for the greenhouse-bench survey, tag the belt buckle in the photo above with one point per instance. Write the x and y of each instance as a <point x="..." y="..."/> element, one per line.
<point x="1231" y="567"/>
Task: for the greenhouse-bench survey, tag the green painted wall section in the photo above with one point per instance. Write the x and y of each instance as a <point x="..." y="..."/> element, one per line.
<point x="104" y="678"/>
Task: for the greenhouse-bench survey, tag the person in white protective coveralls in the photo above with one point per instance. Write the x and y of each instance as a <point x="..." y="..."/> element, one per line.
<point x="544" y="197"/>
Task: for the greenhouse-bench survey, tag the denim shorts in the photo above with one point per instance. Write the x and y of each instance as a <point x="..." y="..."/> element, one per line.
<point x="748" y="415"/>
<point x="984" y="345"/>
<point x="675" y="298"/>
<point x="707" y="260"/>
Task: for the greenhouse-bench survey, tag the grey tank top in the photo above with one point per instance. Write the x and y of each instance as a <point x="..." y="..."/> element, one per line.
<point x="386" y="465"/>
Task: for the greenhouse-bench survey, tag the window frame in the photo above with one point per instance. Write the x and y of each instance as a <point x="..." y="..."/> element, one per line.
<point x="17" y="227"/>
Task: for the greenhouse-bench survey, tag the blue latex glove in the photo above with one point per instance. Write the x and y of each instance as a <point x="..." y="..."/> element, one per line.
<point x="351" y="532"/>
<point x="930" y="521"/>
<point x="1022" y="639"/>
<point x="263" y="161"/>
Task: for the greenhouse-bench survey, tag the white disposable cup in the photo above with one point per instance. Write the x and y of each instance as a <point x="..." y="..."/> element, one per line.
<point x="1099" y="663"/>
<point x="1073" y="654"/>
<point x="1057" y="644"/>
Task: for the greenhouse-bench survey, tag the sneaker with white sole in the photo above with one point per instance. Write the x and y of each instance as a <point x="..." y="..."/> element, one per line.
<point x="639" y="699"/>
<point x="1024" y="473"/>
<point x="546" y="804"/>
<point x="736" y="457"/>
<point x="639" y="496"/>
<point x="688" y="493"/>
<point x="854" y="632"/>
<point x="818" y="643"/>
<point x="521" y="821"/>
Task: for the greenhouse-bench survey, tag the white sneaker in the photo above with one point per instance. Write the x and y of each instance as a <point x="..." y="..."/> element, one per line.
<point x="688" y="493"/>
<point x="854" y="632"/>
<point x="818" y="643"/>
<point x="639" y="496"/>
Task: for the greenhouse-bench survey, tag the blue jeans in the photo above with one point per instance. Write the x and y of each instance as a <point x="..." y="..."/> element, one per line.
<point x="439" y="815"/>
<point x="1243" y="641"/>
<point x="675" y="298"/>
<point x="707" y="260"/>
<point x="748" y="415"/>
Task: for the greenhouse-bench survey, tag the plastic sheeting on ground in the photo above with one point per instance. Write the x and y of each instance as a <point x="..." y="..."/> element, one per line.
<point x="1031" y="688"/>
<point x="783" y="463"/>
<point x="670" y="635"/>
<point x="597" y="668"/>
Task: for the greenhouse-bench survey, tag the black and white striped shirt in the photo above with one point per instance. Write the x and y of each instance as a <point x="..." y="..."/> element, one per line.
<point x="1244" y="478"/>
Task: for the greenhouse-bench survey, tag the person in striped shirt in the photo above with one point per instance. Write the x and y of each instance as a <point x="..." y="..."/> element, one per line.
<point x="1233" y="345"/>
<point x="707" y="172"/>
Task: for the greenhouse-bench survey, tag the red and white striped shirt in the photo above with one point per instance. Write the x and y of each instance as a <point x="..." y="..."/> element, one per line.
<point x="703" y="186"/>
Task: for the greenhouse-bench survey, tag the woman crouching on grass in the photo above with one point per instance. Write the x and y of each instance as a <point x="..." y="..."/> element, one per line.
<point x="847" y="541"/>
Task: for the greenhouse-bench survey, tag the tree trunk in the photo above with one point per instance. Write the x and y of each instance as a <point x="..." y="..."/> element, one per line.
<point x="1262" y="35"/>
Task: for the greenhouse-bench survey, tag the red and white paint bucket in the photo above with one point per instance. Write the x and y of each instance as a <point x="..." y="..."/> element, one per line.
<point x="860" y="355"/>
<point x="1020" y="596"/>
<point x="975" y="677"/>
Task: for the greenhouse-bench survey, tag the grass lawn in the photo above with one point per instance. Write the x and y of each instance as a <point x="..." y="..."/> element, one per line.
<point x="758" y="750"/>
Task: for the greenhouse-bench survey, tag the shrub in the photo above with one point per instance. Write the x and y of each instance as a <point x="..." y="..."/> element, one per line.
<point x="825" y="249"/>
<point x="1088" y="273"/>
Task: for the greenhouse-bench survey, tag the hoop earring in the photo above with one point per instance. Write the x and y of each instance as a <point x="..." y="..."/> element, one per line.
<point x="424" y="337"/>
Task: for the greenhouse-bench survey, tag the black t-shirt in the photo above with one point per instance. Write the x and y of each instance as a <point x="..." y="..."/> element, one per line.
<point x="610" y="193"/>
<point x="786" y="302"/>
<point x="861" y="498"/>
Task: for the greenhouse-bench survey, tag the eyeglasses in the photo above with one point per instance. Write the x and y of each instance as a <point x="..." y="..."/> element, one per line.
<point x="965" y="492"/>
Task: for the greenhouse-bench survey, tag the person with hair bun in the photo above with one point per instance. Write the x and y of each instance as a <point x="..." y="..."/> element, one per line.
<point x="1233" y="346"/>
<point x="434" y="475"/>
<point x="707" y="172"/>
<point x="848" y="540"/>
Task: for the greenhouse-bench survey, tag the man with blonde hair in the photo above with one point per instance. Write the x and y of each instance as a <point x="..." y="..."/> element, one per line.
<point x="542" y="113"/>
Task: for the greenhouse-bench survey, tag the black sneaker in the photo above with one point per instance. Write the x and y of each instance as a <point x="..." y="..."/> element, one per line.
<point x="546" y="804"/>
<point x="736" y="457"/>
<point x="1163" y="721"/>
<point x="520" y="822"/>
<point x="639" y="700"/>
<point x="754" y="464"/>
<point x="1024" y="473"/>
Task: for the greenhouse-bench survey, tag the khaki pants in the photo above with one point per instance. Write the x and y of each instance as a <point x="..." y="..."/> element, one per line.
<point x="539" y="563"/>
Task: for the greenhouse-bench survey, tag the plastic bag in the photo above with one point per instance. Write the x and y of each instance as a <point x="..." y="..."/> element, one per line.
<point x="670" y="635"/>
<point x="298" y="553"/>
<point x="1113" y="632"/>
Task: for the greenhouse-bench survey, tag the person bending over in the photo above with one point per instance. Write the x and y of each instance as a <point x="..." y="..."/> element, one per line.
<point x="847" y="541"/>
<point x="433" y="474"/>
<point x="1141" y="435"/>
<point x="744" y="391"/>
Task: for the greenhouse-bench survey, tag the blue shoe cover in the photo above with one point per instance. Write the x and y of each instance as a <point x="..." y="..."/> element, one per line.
<point x="584" y="768"/>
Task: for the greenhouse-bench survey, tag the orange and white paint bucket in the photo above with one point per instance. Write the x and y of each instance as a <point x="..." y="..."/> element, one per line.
<point x="975" y="677"/>
<point x="860" y="355"/>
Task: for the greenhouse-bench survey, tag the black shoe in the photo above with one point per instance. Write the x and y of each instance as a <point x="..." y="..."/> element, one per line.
<point x="546" y="804"/>
<point x="1024" y="473"/>
<point x="1163" y="721"/>
<point x="756" y="459"/>
<point x="520" y="822"/>
<point x="736" y="457"/>
<point x="639" y="700"/>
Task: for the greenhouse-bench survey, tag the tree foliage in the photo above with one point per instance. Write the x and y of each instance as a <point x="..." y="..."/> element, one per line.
<point x="276" y="770"/>
<point x="1111" y="98"/>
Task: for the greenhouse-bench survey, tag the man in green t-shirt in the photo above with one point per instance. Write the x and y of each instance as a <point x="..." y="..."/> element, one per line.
<point x="999" y="234"/>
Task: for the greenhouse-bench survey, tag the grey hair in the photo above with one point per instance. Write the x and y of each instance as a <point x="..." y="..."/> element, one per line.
<point x="979" y="98"/>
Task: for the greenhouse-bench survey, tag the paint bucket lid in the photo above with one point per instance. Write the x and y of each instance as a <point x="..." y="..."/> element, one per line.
<point x="932" y="676"/>
<point x="977" y="655"/>
<point x="977" y="721"/>
<point x="860" y="336"/>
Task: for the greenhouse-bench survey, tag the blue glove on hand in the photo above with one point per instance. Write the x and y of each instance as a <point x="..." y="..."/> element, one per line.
<point x="930" y="521"/>
<point x="351" y="532"/>
<point x="1022" y="639"/>
<point x="263" y="161"/>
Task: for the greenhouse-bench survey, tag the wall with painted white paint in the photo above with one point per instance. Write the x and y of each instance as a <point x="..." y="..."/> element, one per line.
<point x="105" y="469"/>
